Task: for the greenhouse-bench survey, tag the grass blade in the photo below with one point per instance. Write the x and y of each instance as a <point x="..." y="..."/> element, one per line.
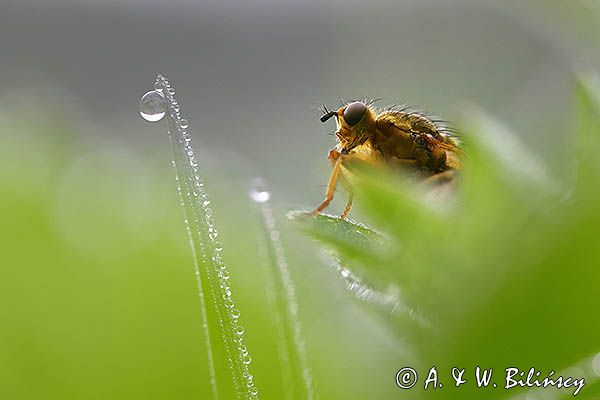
<point x="292" y="348"/>
<point x="224" y="332"/>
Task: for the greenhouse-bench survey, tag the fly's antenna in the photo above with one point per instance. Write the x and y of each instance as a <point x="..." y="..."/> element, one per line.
<point x="327" y="114"/>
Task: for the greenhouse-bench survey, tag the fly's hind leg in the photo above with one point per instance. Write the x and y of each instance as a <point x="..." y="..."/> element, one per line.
<point x="440" y="186"/>
<point x="442" y="177"/>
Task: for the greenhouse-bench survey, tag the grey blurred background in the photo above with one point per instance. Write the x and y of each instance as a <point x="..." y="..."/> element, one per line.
<point x="250" y="75"/>
<point x="97" y="296"/>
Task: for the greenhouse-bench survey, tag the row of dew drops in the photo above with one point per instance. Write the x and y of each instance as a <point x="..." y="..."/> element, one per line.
<point x="154" y="105"/>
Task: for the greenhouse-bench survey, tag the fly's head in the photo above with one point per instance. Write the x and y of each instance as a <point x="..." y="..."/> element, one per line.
<point x="355" y="123"/>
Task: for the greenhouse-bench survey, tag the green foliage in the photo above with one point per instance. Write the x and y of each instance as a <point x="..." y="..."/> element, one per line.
<point x="506" y="274"/>
<point x="98" y="298"/>
<point x="223" y="332"/>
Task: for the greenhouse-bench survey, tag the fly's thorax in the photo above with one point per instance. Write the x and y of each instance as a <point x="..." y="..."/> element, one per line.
<point x="393" y="138"/>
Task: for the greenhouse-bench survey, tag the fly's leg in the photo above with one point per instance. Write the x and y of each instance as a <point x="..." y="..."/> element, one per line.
<point x="336" y="159"/>
<point x="439" y="187"/>
<point x="442" y="177"/>
<point x="348" y="205"/>
<point x="333" y="156"/>
<point x="330" y="187"/>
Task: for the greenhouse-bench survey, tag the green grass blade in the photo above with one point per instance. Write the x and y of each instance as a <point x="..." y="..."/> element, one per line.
<point x="224" y="332"/>
<point x="296" y="374"/>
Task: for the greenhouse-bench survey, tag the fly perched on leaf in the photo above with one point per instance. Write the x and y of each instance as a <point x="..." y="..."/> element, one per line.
<point x="393" y="137"/>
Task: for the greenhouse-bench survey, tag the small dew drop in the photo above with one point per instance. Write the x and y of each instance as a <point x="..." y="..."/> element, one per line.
<point x="259" y="190"/>
<point x="224" y="274"/>
<point x="152" y="106"/>
<point x="184" y="123"/>
<point x="228" y="303"/>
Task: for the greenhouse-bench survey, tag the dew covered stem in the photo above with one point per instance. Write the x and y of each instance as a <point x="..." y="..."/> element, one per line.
<point x="220" y="316"/>
<point x="296" y="375"/>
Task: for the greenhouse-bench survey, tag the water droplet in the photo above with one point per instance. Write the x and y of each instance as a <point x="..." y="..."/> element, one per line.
<point x="152" y="106"/>
<point x="259" y="190"/>
<point x="228" y="303"/>
<point x="184" y="123"/>
<point x="218" y="259"/>
<point x="224" y="274"/>
<point x="159" y="83"/>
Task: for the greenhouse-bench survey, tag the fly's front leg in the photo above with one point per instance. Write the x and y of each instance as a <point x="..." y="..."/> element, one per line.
<point x="335" y="157"/>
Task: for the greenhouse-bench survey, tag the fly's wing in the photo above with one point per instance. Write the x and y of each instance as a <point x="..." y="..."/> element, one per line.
<point x="412" y="135"/>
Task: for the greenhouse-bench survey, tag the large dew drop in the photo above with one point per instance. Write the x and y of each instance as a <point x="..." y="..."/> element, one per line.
<point x="152" y="106"/>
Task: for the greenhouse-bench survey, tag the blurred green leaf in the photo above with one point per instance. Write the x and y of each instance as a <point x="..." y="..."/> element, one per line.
<point x="505" y="273"/>
<point x="588" y="134"/>
<point x="353" y="240"/>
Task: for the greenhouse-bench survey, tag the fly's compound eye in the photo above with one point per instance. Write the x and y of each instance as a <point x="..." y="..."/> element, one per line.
<point x="354" y="112"/>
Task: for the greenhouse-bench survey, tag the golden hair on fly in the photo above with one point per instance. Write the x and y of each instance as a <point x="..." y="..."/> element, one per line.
<point x="393" y="137"/>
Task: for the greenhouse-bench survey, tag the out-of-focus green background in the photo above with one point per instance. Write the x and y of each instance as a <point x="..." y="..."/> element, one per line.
<point x="97" y="294"/>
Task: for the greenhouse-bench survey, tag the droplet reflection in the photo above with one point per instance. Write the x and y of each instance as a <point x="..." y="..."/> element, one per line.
<point x="259" y="190"/>
<point x="152" y="106"/>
